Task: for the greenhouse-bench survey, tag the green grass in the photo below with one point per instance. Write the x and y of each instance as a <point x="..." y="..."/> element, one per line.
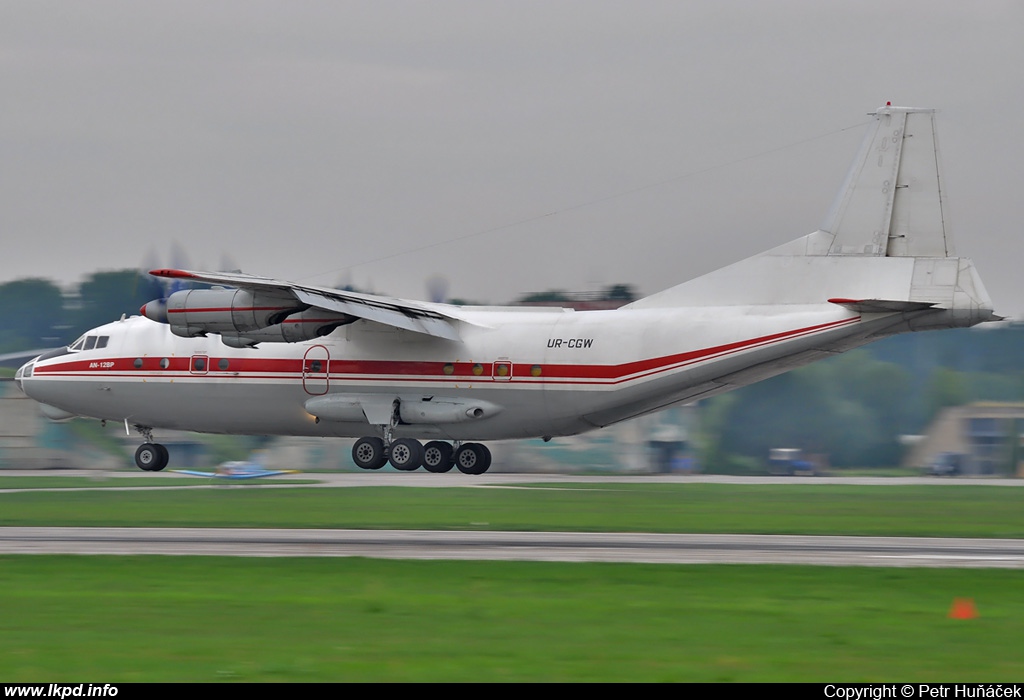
<point x="97" y="482"/>
<point x="146" y="618"/>
<point x="120" y="619"/>
<point x="938" y="511"/>
<point x="878" y="471"/>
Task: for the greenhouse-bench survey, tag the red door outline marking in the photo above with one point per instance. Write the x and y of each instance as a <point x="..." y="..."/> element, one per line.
<point x="316" y="370"/>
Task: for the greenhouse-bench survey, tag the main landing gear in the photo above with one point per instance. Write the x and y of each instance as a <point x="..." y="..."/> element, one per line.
<point x="151" y="456"/>
<point x="406" y="454"/>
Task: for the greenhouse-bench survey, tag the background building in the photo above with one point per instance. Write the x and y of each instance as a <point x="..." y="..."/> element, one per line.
<point x="980" y="439"/>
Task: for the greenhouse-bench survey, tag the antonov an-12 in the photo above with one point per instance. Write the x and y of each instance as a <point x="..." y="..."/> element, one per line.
<point x="262" y="356"/>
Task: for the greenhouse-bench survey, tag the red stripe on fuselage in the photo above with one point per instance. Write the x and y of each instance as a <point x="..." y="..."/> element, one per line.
<point x="381" y="370"/>
<point x="679" y="359"/>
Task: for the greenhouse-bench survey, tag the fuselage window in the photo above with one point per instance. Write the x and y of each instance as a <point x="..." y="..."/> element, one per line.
<point x="90" y="342"/>
<point x="164" y="363"/>
<point x="199" y="364"/>
<point x="138" y="363"/>
<point x="222" y="364"/>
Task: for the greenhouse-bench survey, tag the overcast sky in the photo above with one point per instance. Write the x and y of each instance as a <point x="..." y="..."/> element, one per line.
<point x="504" y="146"/>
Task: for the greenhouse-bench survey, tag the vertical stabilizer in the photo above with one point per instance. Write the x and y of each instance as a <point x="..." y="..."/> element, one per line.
<point x="892" y="203"/>
<point x="885" y="246"/>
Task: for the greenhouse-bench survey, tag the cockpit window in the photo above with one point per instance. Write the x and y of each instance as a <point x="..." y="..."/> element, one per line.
<point x="89" y="342"/>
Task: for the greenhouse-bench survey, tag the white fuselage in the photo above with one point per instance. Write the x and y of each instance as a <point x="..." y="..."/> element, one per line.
<point x="539" y="372"/>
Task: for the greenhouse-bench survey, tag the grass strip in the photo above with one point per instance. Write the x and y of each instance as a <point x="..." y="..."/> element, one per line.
<point x="122" y="619"/>
<point x="104" y="482"/>
<point x="928" y="511"/>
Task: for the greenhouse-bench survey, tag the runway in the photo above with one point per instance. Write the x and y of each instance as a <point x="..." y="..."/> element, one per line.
<point x="522" y="546"/>
<point x="422" y="479"/>
<point x="657" y="548"/>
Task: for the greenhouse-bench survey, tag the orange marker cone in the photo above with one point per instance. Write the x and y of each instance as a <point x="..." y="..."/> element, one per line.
<point x="963" y="609"/>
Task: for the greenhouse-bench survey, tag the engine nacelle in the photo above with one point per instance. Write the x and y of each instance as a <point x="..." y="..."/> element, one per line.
<point x="195" y="312"/>
<point x="305" y="325"/>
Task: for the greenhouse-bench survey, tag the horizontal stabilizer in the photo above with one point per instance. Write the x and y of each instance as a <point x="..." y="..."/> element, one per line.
<point x="881" y="306"/>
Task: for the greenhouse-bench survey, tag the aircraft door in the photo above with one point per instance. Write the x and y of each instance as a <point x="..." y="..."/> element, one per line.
<point x="315" y="370"/>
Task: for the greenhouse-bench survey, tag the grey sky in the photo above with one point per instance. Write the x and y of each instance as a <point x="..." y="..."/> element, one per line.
<point x="331" y="141"/>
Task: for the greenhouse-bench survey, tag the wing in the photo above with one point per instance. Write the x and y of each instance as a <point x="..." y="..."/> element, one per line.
<point x="419" y="317"/>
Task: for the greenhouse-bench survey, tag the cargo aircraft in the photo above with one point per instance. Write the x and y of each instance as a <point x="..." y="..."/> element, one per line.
<point x="261" y="356"/>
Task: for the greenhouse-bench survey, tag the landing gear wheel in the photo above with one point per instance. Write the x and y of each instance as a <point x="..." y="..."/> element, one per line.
<point x="151" y="457"/>
<point x="473" y="458"/>
<point x="368" y="453"/>
<point x="165" y="456"/>
<point x="437" y="457"/>
<point x="406" y="454"/>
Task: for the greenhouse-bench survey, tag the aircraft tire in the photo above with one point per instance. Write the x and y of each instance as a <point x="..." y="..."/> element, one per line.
<point x="165" y="456"/>
<point x="406" y="454"/>
<point x="151" y="457"/>
<point x="369" y="453"/>
<point x="438" y="457"/>
<point x="473" y="458"/>
<point x="485" y="463"/>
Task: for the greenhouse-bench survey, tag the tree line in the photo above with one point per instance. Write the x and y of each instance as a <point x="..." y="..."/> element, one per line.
<point x="854" y="408"/>
<point x="37" y="313"/>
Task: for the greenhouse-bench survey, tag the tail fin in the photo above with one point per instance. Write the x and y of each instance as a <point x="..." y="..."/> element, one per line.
<point x="893" y="201"/>
<point x="886" y="240"/>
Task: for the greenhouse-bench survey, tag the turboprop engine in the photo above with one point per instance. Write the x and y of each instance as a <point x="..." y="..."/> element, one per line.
<point x="305" y="325"/>
<point x="242" y="317"/>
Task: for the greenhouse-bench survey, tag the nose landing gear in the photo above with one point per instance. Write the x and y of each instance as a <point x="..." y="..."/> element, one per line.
<point x="151" y="456"/>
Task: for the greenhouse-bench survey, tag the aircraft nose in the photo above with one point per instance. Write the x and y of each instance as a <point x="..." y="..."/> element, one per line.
<point x="24" y="371"/>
